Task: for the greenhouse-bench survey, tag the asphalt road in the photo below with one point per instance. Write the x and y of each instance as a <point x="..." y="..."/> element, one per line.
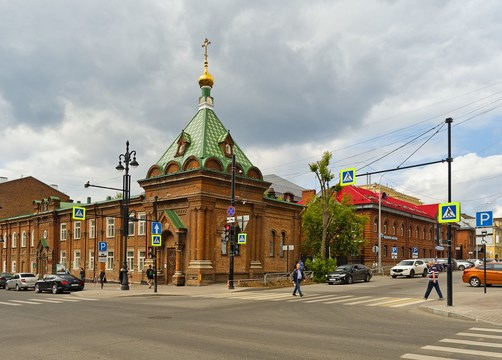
<point x="263" y="324"/>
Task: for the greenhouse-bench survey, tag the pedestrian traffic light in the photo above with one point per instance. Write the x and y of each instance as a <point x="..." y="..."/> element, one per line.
<point x="227" y="232"/>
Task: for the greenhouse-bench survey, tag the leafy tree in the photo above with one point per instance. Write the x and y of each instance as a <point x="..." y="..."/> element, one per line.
<point x="324" y="176"/>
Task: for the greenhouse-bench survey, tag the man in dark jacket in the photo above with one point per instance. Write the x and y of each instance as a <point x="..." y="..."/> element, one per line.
<point x="298" y="276"/>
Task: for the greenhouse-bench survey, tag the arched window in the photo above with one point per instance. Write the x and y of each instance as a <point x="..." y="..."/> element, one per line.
<point x="409" y="232"/>
<point x="271" y="244"/>
<point x="13" y="268"/>
<point x="375" y="225"/>
<point x="385" y="251"/>
<point x="283" y="241"/>
<point x="423" y="233"/>
<point x="417" y="233"/>
<point x="14" y="240"/>
<point x="402" y="229"/>
<point x="394" y="228"/>
<point x="23" y="239"/>
<point x="385" y="227"/>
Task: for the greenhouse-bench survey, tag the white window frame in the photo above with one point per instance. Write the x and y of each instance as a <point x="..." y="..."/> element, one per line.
<point x="109" y="261"/>
<point x="131" y="228"/>
<point x="110" y="227"/>
<point x="63" y="232"/>
<point x="32" y="240"/>
<point x="77" y="230"/>
<point x="14" y="241"/>
<point x="130" y="260"/>
<point x="13" y="269"/>
<point x="142" y="224"/>
<point x="76" y="259"/>
<point x="62" y="258"/>
<point x="4" y="240"/>
<point x="141" y="260"/>
<point x="91" y="260"/>
<point x="23" y="239"/>
<point x="92" y="228"/>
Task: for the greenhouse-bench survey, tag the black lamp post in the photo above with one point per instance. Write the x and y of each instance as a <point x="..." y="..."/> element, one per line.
<point x="126" y="195"/>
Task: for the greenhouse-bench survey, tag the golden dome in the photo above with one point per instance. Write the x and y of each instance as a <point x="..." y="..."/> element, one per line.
<point x="206" y="79"/>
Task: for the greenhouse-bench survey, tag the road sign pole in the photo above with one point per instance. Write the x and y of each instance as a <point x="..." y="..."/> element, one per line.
<point x="449" y="282"/>
<point x="155" y="256"/>
<point x="232" y="228"/>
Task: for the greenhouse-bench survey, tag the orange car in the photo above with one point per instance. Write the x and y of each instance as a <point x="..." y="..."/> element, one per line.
<point x="475" y="275"/>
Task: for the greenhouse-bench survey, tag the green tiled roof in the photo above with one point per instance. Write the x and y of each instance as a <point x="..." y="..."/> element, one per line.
<point x="175" y="219"/>
<point x="203" y="135"/>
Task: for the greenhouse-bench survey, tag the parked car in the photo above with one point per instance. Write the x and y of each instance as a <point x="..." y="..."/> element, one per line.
<point x="3" y="279"/>
<point x="59" y="283"/>
<point x="464" y="264"/>
<point x="476" y="262"/>
<point x="444" y="263"/>
<point x="475" y="275"/>
<point x="349" y="273"/>
<point x="409" y="268"/>
<point x="21" y="281"/>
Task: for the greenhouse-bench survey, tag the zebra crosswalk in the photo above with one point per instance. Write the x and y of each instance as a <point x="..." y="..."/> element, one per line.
<point x="476" y="342"/>
<point x="42" y="301"/>
<point x="324" y="299"/>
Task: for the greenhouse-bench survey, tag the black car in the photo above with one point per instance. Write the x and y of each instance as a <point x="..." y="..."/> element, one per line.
<point x="3" y="279"/>
<point x="349" y="273"/>
<point x="59" y="283"/>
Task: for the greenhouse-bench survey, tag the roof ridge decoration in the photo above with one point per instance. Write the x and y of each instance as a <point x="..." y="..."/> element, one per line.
<point x="204" y="143"/>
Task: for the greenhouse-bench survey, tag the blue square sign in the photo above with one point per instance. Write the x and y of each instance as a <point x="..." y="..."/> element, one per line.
<point x="484" y="219"/>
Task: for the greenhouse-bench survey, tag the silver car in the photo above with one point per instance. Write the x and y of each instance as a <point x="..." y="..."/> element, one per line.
<point x="21" y="281"/>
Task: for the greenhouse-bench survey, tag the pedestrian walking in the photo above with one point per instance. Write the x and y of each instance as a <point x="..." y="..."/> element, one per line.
<point x="433" y="275"/>
<point x="82" y="274"/>
<point x="102" y="278"/>
<point x="149" y="275"/>
<point x="298" y="276"/>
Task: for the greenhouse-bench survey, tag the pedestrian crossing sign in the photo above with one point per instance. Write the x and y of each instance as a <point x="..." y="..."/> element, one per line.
<point x="449" y="212"/>
<point x="347" y="177"/>
<point x="241" y="238"/>
<point x="78" y="213"/>
<point x="156" y="240"/>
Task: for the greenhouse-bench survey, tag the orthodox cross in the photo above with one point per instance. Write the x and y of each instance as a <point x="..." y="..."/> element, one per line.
<point x="205" y="45"/>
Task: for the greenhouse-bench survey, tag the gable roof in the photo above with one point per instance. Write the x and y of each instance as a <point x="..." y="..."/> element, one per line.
<point x="362" y="196"/>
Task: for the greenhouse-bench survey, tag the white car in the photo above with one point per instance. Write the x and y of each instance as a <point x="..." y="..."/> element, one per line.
<point x="409" y="268"/>
<point x="476" y="262"/>
<point x="21" y="281"/>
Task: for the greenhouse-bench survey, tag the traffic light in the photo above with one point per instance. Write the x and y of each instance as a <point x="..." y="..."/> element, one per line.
<point x="227" y="232"/>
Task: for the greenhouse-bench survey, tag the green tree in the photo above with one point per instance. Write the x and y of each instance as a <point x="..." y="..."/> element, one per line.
<point x="324" y="176"/>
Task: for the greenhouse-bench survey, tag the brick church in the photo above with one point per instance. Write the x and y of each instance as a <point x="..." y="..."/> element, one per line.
<point x="190" y="189"/>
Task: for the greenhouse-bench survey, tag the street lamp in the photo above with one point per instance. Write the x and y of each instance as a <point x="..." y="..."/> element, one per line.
<point x="126" y="195"/>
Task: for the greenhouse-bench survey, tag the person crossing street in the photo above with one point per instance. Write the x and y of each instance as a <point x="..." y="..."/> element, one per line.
<point x="298" y="276"/>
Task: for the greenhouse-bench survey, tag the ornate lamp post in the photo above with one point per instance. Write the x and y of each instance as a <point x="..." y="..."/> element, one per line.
<point x="126" y="195"/>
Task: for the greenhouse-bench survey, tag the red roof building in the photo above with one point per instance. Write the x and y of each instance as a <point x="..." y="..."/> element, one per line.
<point x="408" y="230"/>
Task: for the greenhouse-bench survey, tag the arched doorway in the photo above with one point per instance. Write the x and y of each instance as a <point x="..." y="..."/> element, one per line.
<point x="167" y="258"/>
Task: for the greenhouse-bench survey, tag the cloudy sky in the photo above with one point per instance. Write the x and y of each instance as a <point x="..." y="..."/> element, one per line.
<point x="370" y="81"/>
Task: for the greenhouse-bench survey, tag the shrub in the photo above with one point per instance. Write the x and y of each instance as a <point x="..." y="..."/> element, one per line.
<point x="320" y="268"/>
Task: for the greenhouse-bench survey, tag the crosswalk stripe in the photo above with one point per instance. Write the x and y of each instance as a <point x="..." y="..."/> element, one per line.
<point x="341" y="299"/>
<point x="320" y="298"/>
<point x="497" y="355"/>
<point x="388" y="301"/>
<point x="11" y="304"/>
<point x="317" y="298"/>
<point x="408" y="303"/>
<point x="469" y="342"/>
<point x="486" y="336"/>
<point x="26" y="302"/>
<point x="485" y="329"/>
<point x="47" y="301"/>
<point x="63" y="299"/>
<point x="424" y="357"/>
<point x="360" y="301"/>
<point x="87" y="299"/>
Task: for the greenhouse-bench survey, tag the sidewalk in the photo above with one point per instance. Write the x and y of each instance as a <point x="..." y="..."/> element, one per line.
<point x="468" y="303"/>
